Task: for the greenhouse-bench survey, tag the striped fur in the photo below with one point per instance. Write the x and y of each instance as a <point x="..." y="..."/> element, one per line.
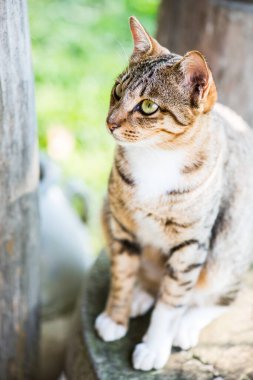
<point x="178" y="211"/>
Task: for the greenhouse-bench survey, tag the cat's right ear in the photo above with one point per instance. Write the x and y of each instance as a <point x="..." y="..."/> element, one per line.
<point x="198" y="80"/>
<point x="144" y="44"/>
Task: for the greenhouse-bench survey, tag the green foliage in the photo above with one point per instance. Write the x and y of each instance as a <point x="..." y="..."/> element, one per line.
<point x="79" y="47"/>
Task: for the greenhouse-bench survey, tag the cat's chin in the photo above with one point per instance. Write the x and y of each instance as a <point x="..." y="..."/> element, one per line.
<point x="131" y="143"/>
<point x="145" y="143"/>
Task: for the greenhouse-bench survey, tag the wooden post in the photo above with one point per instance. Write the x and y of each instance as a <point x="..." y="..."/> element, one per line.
<point x="223" y="31"/>
<point x="18" y="200"/>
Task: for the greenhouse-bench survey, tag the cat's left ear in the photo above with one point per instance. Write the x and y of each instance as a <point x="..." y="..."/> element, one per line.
<point x="144" y="44"/>
<point x="198" y="79"/>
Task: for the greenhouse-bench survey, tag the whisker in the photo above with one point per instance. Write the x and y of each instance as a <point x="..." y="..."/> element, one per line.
<point x="125" y="55"/>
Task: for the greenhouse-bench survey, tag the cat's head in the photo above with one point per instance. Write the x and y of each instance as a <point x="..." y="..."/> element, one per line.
<point x="157" y="99"/>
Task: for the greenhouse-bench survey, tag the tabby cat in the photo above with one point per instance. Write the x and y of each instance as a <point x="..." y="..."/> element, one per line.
<point x="178" y="215"/>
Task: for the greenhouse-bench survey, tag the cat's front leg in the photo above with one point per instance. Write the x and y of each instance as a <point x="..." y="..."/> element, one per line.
<point x="182" y="271"/>
<point x="155" y="349"/>
<point x="125" y="259"/>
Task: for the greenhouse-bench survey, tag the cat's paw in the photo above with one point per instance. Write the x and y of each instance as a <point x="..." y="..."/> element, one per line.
<point x="187" y="336"/>
<point x="146" y="358"/>
<point x="192" y="323"/>
<point x="109" y="330"/>
<point x="142" y="301"/>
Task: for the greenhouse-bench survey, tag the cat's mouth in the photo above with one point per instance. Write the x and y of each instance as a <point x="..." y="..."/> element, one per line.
<point x="122" y="139"/>
<point x="143" y="141"/>
<point x="123" y="132"/>
<point x="114" y="134"/>
<point x="123" y="136"/>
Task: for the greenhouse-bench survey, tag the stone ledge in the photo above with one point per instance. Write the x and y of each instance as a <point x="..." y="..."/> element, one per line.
<point x="225" y="350"/>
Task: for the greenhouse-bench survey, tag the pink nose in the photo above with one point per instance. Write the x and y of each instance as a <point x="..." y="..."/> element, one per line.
<point x="113" y="126"/>
<point x="112" y="122"/>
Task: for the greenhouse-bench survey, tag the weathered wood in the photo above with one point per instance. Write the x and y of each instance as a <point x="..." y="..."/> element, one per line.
<point x="223" y="31"/>
<point x="18" y="211"/>
<point x="225" y="350"/>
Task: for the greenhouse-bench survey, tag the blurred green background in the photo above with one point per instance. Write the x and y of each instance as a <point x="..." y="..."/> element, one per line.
<point x="79" y="47"/>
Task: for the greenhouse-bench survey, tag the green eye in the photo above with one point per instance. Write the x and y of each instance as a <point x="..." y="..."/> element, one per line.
<point x="118" y="91"/>
<point x="148" y="107"/>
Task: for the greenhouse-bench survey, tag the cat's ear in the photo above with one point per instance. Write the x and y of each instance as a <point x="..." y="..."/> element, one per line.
<point x="144" y="44"/>
<point x="198" y="79"/>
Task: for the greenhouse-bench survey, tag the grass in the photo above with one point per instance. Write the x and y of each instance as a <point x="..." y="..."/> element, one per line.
<point x="79" y="47"/>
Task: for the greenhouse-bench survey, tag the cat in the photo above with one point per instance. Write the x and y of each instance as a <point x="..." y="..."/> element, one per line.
<point x="178" y="214"/>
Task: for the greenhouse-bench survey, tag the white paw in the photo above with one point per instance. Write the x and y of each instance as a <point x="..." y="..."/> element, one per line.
<point x="141" y="303"/>
<point x="146" y="358"/>
<point x="187" y="336"/>
<point x="192" y="323"/>
<point x="109" y="330"/>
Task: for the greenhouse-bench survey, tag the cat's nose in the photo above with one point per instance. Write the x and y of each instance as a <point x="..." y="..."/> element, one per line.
<point x="113" y="126"/>
<point x="112" y="123"/>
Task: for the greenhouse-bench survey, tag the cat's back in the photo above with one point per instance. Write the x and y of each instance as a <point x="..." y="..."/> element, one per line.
<point x="238" y="147"/>
<point x="237" y="132"/>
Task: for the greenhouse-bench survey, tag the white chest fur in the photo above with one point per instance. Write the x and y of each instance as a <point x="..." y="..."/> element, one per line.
<point x="155" y="171"/>
<point x="149" y="232"/>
